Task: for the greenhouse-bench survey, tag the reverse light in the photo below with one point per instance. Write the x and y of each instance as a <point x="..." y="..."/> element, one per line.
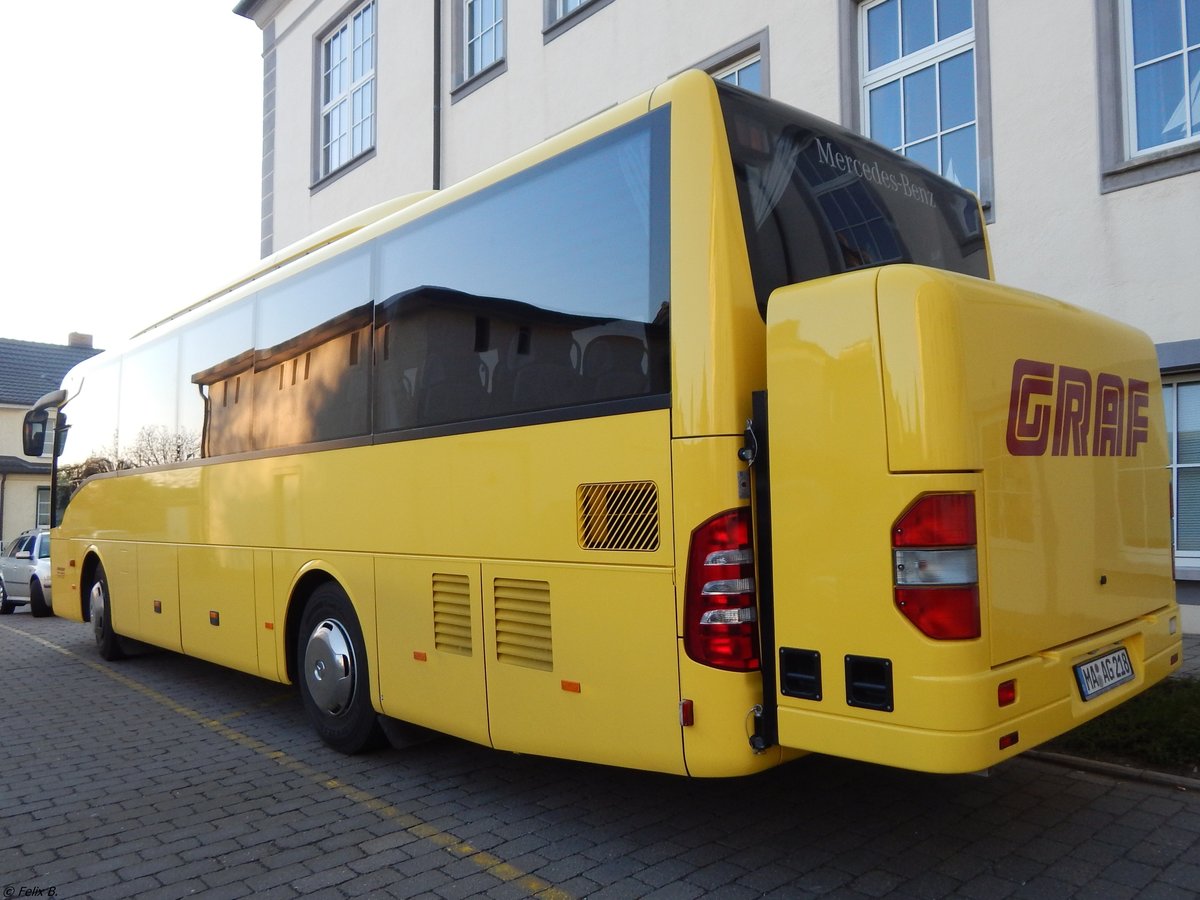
<point x="720" y="604"/>
<point x="936" y="566"/>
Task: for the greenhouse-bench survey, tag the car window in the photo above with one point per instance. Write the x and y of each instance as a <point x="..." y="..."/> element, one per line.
<point x="11" y="550"/>
<point x="44" y="548"/>
<point x="25" y="544"/>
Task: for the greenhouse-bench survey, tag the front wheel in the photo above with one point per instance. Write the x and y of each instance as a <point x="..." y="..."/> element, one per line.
<point x="6" y="605"/>
<point x="37" y="601"/>
<point x="332" y="658"/>
<point x="108" y="642"/>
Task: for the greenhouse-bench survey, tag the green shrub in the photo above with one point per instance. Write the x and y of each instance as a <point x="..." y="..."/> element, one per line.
<point x="1159" y="729"/>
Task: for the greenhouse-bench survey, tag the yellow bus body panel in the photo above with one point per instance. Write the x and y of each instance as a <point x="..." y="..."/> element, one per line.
<point x="874" y="384"/>
<point x="717" y="340"/>
<point x="950" y="345"/>
<point x="245" y="532"/>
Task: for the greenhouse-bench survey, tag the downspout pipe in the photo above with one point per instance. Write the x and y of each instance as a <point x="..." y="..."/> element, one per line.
<point x="437" y="95"/>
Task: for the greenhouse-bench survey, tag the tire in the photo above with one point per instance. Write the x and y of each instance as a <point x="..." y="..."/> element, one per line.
<point x="37" y="600"/>
<point x="108" y="642"/>
<point x="6" y="608"/>
<point x="331" y="662"/>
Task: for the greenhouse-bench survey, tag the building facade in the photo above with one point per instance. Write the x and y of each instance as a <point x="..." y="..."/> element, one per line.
<point x="28" y="370"/>
<point x="1077" y="123"/>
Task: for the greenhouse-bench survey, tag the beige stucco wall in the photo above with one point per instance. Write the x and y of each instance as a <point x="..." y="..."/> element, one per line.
<point x="1123" y="253"/>
<point x="1126" y="253"/>
<point x="403" y="155"/>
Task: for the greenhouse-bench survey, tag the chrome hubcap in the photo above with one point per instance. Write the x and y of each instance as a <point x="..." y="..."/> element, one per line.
<point x="329" y="667"/>
<point x="96" y="604"/>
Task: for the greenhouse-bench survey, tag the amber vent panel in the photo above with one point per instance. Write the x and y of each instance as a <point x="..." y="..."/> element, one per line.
<point x="618" y="516"/>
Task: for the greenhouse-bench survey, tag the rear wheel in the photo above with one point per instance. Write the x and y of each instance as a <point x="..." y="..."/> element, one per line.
<point x="332" y="659"/>
<point x="108" y="642"/>
<point x="37" y="600"/>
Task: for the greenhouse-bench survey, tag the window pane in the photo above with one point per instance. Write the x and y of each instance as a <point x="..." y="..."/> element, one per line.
<point x="1187" y="512"/>
<point x="926" y="153"/>
<point x="1193" y="22"/>
<point x="917" y="19"/>
<point x="1189" y="423"/>
<point x="920" y="105"/>
<point x="750" y="77"/>
<point x="1156" y="29"/>
<point x="885" y="115"/>
<point x="958" y="90"/>
<point x="1160" y="110"/>
<point x="1194" y="89"/>
<point x="883" y="34"/>
<point x="953" y="16"/>
<point x="958" y="158"/>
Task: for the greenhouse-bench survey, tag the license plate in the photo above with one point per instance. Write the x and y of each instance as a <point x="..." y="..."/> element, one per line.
<point x="1103" y="673"/>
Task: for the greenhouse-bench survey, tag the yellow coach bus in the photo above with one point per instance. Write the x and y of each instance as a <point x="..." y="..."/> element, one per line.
<point x="690" y="440"/>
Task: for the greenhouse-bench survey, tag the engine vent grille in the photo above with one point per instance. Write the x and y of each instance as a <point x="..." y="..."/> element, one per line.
<point x="452" y="614"/>
<point x="618" y="516"/>
<point x="523" y="623"/>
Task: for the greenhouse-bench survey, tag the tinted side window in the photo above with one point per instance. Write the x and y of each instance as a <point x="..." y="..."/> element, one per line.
<point x="148" y="432"/>
<point x="312" y="359"/>
<point x="546" y="291"/>
<point x="216" y="395"/>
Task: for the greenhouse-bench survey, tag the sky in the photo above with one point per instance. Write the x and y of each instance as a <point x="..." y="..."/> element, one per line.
<point x="132" y="153"/>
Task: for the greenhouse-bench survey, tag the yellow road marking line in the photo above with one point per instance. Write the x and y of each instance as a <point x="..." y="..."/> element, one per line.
<point x="487" y="862"/>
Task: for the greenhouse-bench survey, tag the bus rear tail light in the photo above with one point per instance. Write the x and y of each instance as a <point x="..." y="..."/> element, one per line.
<point x="936" y="566"/>
<point x="720" y="605"/>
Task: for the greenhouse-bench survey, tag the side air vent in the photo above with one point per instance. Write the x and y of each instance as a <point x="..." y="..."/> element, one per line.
<point x="523" y="623"/>
<point x="452" y="614"/>
<point x="618" y="516"/>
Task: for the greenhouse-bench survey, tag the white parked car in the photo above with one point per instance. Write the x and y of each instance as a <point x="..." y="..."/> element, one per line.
<point x="25" y="573"/>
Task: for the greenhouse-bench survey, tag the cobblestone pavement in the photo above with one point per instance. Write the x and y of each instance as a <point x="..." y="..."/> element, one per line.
<point x="163" y="777"/>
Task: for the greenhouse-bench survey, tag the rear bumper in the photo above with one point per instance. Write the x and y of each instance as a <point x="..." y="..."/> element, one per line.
<point x="1048" y="704"/>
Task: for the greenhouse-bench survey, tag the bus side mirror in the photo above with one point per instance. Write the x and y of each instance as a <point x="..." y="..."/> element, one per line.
<point x="33" y="434"/>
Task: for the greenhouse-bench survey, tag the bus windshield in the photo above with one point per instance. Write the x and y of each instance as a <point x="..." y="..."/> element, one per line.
<point x="817" y="199"/>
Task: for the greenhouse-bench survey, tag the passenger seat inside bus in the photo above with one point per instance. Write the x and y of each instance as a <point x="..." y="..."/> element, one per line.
<point x="613" y="366"/>
<point x="544" y="370"/>
<point x="452" y="387"/>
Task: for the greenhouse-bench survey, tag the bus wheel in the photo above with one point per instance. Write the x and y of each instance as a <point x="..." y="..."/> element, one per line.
<point x="37" y="601"/>
<point x="333" y="673"/>
<point x="108" y="642"/>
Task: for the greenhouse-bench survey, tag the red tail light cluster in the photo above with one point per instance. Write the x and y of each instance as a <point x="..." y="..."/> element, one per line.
<point x="720" y="608"/>
<point x="936" y="568"/>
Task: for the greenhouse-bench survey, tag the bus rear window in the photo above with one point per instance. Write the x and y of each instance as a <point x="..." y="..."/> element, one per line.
<point x="817" y="199"/>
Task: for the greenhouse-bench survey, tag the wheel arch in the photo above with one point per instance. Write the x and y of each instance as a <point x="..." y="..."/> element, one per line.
<point x="306" y="584"/>
<point x="87" y="577"/>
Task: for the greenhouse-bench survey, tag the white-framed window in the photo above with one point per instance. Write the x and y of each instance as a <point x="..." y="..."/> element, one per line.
<point x="1161" y="66"/>
<point x="43" y="507"/>
<point x="745" y="73"/>
<point x="918" y="83"/>
<point x="483" y="37"/>
<point x="1182" y="399"/>
<point x="348" y="90"/>
<point x="560" y="16"/>
<point x="564" y="7"/>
